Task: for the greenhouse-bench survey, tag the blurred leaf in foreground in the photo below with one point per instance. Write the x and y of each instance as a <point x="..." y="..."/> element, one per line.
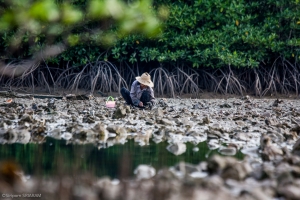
<point x="44" y="17"/>
<point x="38" y="24"/>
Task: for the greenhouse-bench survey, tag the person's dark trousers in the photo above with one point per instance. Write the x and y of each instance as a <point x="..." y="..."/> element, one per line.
<point x="146" y="97"/>
<point x="126" y="95"/>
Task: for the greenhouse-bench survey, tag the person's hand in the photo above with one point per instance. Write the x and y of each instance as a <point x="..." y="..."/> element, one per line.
<point x="141" y="104"/>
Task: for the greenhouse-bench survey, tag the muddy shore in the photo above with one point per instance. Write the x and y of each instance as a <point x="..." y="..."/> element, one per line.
<point x="265" y="130"/>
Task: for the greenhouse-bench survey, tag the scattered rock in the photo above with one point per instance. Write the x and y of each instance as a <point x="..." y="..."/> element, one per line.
<point x="26" y="118"/>
<point x="177" y="148"/>
<point x="164" y="121"/>
<point x="228" y="168"/>
<point x="119" y="113"/>
<point x="100" y="129"/>
<point x="159" y="112"/>
<point x="296" y="148"/>
<point x="266" y="130"/>
<point x="269" y="150"/>
<point x="144" y="172"/>
<point x="242" y="136"/>
<point x="228" y="150"/>
<point x="119" y="130"/>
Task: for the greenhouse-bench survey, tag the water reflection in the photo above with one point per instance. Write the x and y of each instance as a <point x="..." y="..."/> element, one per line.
<point x="55" y="157"/>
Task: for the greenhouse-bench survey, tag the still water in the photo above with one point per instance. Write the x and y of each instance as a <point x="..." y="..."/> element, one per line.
<point x="55" y="157"/>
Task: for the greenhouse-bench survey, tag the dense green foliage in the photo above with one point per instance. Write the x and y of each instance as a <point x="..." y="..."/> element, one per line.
<point x="216" y="33"/>
<point x="82" y="26"/>
<point x="199" y="33"/>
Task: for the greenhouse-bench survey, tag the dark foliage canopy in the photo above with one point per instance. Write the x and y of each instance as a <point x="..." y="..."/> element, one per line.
<point x="217" y="33"/>
<point x="198" y="33"/>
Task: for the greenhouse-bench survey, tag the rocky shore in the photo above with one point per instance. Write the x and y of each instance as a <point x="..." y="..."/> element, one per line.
<point x="265" y="130"/>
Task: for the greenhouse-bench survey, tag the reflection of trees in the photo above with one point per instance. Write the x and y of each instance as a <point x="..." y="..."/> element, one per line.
<point x="54" y="157"/>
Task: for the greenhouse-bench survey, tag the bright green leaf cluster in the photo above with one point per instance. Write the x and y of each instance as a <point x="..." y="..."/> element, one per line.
<point x="217" y="33"/>
<point x="73" y="22"/>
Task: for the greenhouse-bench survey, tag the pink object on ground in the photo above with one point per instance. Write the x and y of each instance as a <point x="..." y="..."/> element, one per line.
<point x="110" y="104"/>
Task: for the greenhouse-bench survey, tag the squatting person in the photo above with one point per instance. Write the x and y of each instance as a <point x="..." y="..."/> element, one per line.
<point x="141" y="93"/>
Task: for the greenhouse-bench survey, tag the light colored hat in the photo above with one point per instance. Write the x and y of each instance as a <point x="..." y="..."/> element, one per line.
<point x="145" y="79"/>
